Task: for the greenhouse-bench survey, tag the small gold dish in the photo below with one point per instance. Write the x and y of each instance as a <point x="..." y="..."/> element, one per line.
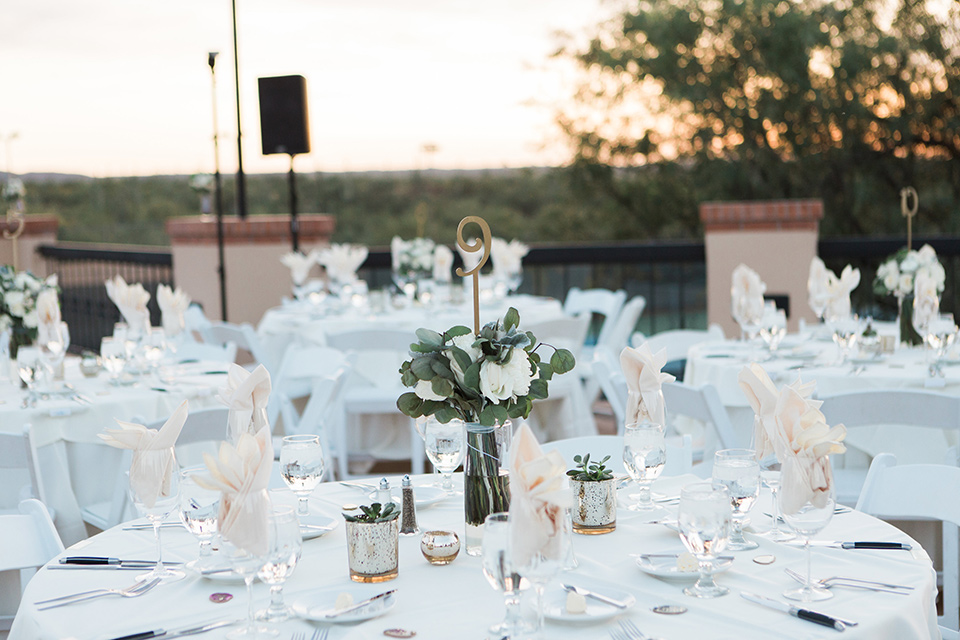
<point x="440" y="547"/>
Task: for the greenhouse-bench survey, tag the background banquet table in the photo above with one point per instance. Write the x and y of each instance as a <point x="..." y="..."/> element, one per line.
<point x="456" y="601"/>
<point x="77" y="467"/>
<point x="814" y="359"/>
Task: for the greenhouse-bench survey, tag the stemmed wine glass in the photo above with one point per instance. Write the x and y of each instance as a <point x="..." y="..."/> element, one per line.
<point x="52" y="351"/>
<point x="703" y="518"/>
<point x="499" y="571"/>
<point x="544" y="564"/>
<point x="446" y="446"/>
<point x="113" y="353"/>
<point x="807" y="520"/>
<point x="156" y="503"/>
<point x="286" y="544"/>
<point x="644" y="454"/>
<point x="846" y="332"/>
<point x="247" y="563"/>
<point x="302" y="467"/>
<point x="198" y="512"/>
<point x="773" y="326"/>
<point x="737" y="470"/>
<point x="770" y="475"/>
<point x="28" y="361"/>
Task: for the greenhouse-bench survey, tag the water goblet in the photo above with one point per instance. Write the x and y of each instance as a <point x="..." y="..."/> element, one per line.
<point x="28" y="362"/>
<point x="53" y="345"/>
<point x="247" y="563"/>
<point x="773" y="326"/>
<point x="704" y="517"/>
<point x="155" y="500"/>
<point x="644" y="454"/>
<point x="445" y="446"/>
<point x="737" y="470"/>
<point x="846" y="333"/>
<point x="199" y="507"/>
<point x="808" y="518"/>
<point x="113" y="355"/>
<point x="545" y="563"/>
<point x="286" y="544"/>
<point x="302" y="467"/>
<point x="499" y="571"/>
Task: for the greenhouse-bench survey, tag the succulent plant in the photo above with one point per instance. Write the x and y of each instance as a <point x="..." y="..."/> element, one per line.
<point x="586" y="472"/>
<point x="376" y="512"/>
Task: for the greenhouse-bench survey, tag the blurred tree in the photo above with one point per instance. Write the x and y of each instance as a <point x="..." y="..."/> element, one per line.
<point x="848" y="100"/>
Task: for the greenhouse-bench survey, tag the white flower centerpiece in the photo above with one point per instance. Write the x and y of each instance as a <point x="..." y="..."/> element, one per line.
<point x="19" y="291"/>
<point x="897" y="276"/>
<point x="484" y="381"/>
<point x="412" y="262"/>
<point x="203" y="184"/>
<point x="13" y="193"/>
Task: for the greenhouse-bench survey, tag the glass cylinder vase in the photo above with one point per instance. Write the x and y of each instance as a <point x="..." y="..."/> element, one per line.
<point x="908" y="334"/>
<point x="486" y="482"/>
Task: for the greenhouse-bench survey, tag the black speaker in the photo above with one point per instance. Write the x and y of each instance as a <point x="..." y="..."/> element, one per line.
<point x="283" y="115"/>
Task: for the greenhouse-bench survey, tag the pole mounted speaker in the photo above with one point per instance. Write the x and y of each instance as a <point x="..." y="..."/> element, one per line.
<point x="283" y="115"/>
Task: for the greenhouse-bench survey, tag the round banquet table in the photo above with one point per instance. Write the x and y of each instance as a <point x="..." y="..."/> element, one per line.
<point x="76" y="467"/>
<point x="813" y="357"/>
<point x="455" y="601"/>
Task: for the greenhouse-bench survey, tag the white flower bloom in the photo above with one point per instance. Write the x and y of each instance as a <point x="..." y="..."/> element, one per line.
<point x="16" y="303"/>
<point x="504" y="382"/>
<point x="906" y="284"/>
<point x="926" y="256"/>
<point x="31" y="320"/>
<point x="910" y="263"/>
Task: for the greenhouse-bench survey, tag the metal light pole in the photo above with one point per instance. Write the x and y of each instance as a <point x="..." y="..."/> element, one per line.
<point x="221" y="270"/>
<point x="241" y="181"/>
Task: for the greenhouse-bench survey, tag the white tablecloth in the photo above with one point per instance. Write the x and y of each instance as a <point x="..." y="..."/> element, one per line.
<point x="77" y="468"/>
<point x="456" y="601"/>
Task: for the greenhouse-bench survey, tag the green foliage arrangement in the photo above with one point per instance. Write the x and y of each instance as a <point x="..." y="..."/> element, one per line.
<point x="586" y="472"/>
<point x="375" y="513"/>
<point x="487" y="378"/>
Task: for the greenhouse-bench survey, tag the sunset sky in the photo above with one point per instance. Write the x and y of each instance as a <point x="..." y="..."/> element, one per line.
<point x="122" y="87"/>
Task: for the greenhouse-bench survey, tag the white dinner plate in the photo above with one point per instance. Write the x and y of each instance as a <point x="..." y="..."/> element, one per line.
<point x="664" y="565"/>
<point x="312" y="605"/>
<point x="555" y="602"/>
<point x="318" y="526"/>
<point x="422" y="496"/>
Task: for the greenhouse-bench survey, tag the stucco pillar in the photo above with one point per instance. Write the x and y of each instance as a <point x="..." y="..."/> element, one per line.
<point x="777" y="239"/>
<point x="256" y="280"/>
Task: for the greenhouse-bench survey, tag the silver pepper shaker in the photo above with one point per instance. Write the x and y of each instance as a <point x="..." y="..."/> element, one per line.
<point x="408" y="510"/>
<point x="383" y="493"/>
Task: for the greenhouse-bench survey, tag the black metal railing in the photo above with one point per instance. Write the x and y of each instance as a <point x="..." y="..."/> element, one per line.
<point x="670" y="275"/>
<point x="81" y="271"/>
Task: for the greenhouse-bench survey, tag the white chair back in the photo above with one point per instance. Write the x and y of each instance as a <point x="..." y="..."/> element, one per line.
<point x="18" y="463"/>
<point x="677" y="342"/>
<point x="902" y="408"/>
<point x="244" y="337"/>
<point x="617" y="339"/>
<point x="904" y="492"/>
<point x="602" y="302"/>
<point x="29" y="541"/>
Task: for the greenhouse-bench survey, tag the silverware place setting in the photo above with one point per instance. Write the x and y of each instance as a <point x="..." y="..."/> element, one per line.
<point x="133" y="591"/>
<point x="853" y="583"/>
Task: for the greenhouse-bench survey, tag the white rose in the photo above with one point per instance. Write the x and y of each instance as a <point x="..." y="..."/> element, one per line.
<point x="31" y="320"/>
<point x="906" y="284"/>
<point x="464" y="342"/>
<point x="507" y="381"/>
<point x="938" y="274"/>
<point x="15" y="302"/>
<point x="424" y="391"/>
<point x="926" y="255"/>
<point x="910" y="262"/>
<point x="890" y="281"/>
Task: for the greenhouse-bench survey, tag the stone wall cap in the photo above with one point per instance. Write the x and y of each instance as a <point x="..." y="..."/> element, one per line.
<point x="253" y="229"/>
<point x="762" y="215"/>
<point x="35" y="224"/>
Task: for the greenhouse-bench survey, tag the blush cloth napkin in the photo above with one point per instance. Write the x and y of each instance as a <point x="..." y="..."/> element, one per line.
<point x="838" y="302"/>
<point x="746" y="293"/>
<point x="299" y="264"/>
<point x="49" y="329"/>
<point x="442" y="264"/>
<point x="131" y="300"/>
<point x="642" y="370"/>
<point x="241" y="473"/>
<point x="820" y="283"/>
<point x="246" y="394"/>
<point x="153" y="462"/>
<point x="342" y="261"/>
<point x="507" y="256"/>
<point x="926" y="301"/>
<point x="539" y="494"/>
<point x="173" y="305"/>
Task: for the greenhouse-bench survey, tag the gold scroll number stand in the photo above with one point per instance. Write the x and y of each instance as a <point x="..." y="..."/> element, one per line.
<point x="909" y="211"/>
<point x="479" y="244"/>
<point x="14" y="230"/>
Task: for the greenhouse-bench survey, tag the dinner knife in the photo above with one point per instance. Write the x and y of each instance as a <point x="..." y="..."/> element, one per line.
<point x="333" y="613"/>
<point x="176" y="633"/>
<point x="900" y="546"/>
<point x="102" y="560"/>
<point x="803" y="614"/>
<point x="587" y="593"/>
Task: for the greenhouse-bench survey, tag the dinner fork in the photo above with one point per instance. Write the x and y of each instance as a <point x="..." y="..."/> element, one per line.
<point x="130" y="592"/>
<point x="320" y="634"/>
<point x="631" y="631"/>
<point x="618" y="635"/>
<point x="853" y="583"/>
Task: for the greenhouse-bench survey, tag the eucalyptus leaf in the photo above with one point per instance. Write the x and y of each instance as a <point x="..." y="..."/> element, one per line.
<point x="462" y="358"/>
<point x="538" y="389"/>
<point x="442" y="387"/>
<point x="457" y="331"/>
<point x="409" y="404"/>
<point x="562" y="361"/>
<point x="408" y="378"/>
<point x="511" y="319"/>
<point x="471" y="377"/>
<point x="429" y="337"/>
<point x="446" y="414"/>
<point x="546" y="371"/>
<point x="423" y="368"/>
<point x="499" y="413"/>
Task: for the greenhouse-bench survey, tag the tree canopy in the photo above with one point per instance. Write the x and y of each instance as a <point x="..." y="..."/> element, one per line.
<point x="783" y="98"/>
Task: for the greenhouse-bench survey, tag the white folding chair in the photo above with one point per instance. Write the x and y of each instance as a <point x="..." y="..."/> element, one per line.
<point x="198" y="351"/>
<point x="372" y="388"/>
<point x="244" y="337"/>
<point x="18" y="464"/>
<point x="29" y="541"/>
<point x="566" y="412"/>
<point x="703" y="405"/>
<point x="616" y="340"/>
<point x="195" y="322"/>
<point x="318" y="375"/>
<point x="904" y="492"/>
<point x="679" y="452"/>
<point x="602" y="302"/>
<point x="901" y="408"/>
<point x="677" y="342"/>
